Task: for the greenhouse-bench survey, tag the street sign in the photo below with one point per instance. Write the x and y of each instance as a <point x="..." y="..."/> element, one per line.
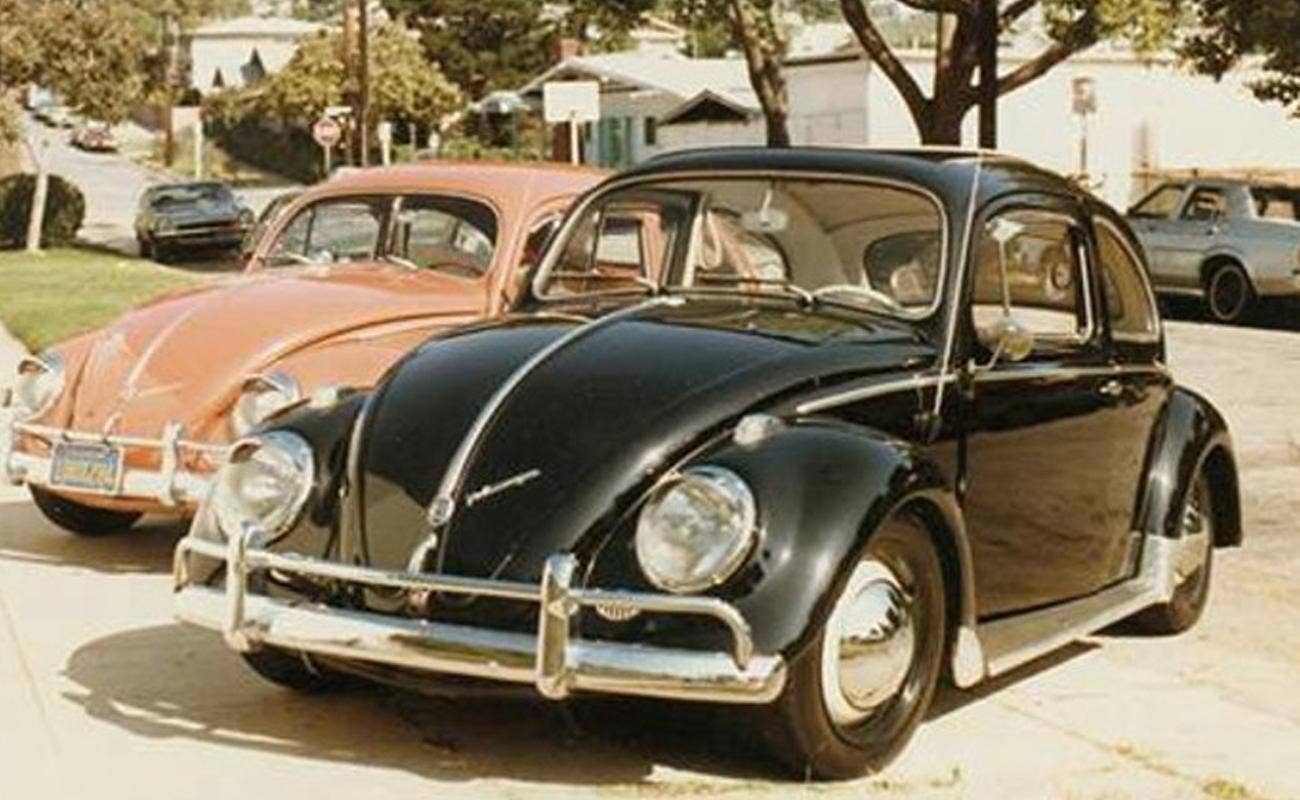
<point x="327" y="132"/>
<point x="571" y="101"/>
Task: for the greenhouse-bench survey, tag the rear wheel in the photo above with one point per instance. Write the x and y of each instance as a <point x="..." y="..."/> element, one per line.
<point x="145" y="246"/>
<point x="81" y="519"/>
<point x="293" y="671"/>
<point x="1228" y="293"/>
<point x="856" y="693"/>
<point x="1192" y="568"/>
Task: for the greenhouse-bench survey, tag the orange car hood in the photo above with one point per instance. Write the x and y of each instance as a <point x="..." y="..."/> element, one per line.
<point x="183" y="358"/>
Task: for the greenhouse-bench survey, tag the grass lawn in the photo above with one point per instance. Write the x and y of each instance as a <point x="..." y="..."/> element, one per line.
<point x="48" y="297"/>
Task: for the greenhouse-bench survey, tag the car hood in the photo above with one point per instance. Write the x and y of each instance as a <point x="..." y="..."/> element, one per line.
<point x="584" y="431"/>
<point x="190" y="213"/>
<point x="184" y="357"/>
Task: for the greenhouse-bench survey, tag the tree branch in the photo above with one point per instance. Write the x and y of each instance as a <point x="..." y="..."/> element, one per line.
<point x="939" y="6"/>
<point x="1079" y="36"/>
<point x="855" y="14"/>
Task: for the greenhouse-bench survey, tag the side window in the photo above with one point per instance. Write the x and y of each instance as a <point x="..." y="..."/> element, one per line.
<point x="538" y="238"/>
<point x="1160" y="204"/>
<point x="1128" y="297"/>
<point x="446" y="233"/>
<point x="331" y="231"/>
<point x="1044" y="277"/>
<point x="619" y="244"/>
<point x="727" y="250"/>
<point x="1276" y="203"/>
<point x="1206" y="205"/>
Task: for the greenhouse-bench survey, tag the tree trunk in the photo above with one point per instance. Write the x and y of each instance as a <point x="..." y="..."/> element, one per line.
<point x="942" y="125"/>
<point x="778" y="128"/>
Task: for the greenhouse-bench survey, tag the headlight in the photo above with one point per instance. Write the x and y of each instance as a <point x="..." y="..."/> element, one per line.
<point x="246" y="217"/>
<point x="165" y="225"/>
<point x="267" y="480"/>
<point x="261" y="398"/>
<point x="696" y="529"/>
<point x="40" y="381"/>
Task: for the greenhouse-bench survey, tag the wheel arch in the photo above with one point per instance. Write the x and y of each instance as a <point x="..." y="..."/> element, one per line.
<point x="1218" y="257"/>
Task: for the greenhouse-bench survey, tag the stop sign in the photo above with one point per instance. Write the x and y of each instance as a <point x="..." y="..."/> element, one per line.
<point x="327" y="132"/>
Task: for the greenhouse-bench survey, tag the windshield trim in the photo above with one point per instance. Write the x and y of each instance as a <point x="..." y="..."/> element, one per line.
<point x="541" y="276"/>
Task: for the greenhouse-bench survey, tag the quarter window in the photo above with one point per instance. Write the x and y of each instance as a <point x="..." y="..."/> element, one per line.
<point x="1043" y="282"/>
<point x="1128" y="296"/>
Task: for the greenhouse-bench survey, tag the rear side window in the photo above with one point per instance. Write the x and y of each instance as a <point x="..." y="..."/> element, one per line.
<point x="1128" y="296"/>
<point x="1276" y="203"/>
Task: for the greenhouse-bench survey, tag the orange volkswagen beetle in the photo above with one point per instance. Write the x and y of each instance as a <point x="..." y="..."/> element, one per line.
<point x="346" y="277"/>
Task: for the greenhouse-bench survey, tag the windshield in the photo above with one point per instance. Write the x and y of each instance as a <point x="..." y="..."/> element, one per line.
<point x="180" y="195"/>
<point x="847" y="242"/>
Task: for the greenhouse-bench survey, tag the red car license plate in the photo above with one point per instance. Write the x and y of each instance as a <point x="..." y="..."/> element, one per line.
<point x="89" y="467"/>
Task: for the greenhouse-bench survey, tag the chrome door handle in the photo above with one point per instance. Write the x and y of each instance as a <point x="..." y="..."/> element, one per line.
<point x="1111" y="388"/>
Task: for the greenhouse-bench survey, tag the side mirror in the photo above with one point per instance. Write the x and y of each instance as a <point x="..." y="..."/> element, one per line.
<point x="1008" y="339"/>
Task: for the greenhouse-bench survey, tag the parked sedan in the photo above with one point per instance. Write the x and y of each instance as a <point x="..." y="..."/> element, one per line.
<point x="1230" y="242"/>
<point x="176" y="217"/>
<point x="350" y="275"/>
<point x="799" y="433"/>
<point x="95" y="137"/>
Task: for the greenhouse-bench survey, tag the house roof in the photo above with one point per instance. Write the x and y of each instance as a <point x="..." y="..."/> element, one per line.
<point x="676" y="75"/>
<point x="256" y="27"/>
<point x="709" y="106"/>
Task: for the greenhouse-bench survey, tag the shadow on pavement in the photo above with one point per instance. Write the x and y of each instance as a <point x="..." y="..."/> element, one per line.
<point x="948" y="698"/>
<point x="27" y="537"/>
<point x="1277" y="315"/>
<point x="176" y="682"/>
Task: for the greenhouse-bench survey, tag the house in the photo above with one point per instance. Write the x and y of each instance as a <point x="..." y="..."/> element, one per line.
<point x="241" y="51"/>
<point x="639" y="90"/>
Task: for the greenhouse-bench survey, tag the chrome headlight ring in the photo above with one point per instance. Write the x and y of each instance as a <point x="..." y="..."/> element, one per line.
<point x="696" y="529"/>
<point x="260" y="398"/>
<point x="267" y="479"/>
<point x="40" y="382"/>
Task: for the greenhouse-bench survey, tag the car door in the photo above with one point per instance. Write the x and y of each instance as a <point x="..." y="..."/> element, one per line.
<point x="1198" y="227"/>
<point x="1044" y="520"/>
<point x="1155" y="220"/>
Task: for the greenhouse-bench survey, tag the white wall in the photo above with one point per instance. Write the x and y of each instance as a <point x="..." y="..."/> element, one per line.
<point x="1147" y="113"/>
<point x="710" y="134"/>
<point x="229" y="54"/>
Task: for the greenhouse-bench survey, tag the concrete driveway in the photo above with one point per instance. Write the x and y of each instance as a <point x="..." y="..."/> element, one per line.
<point x="102" y="695"/>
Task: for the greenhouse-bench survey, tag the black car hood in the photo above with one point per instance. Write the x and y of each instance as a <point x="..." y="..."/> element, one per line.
<point x="588" y="427"/>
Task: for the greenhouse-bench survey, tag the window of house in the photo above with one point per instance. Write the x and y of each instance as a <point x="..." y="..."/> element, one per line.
<point x="1128" y="296"/>
<point x="1043" y="276"/>
<point x="651" y="131"/>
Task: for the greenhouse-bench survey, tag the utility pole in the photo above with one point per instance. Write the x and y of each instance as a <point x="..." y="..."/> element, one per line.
<point x="988" y="55"/>
<point x="363" y="75"/>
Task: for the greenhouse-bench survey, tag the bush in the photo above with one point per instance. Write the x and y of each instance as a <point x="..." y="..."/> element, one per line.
<point x="65" y="208"/>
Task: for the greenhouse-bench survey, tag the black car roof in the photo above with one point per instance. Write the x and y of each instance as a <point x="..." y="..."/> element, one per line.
<point x="938" y="168"/>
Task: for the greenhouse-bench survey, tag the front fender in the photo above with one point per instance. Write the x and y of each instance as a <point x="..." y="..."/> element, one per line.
<point x="821" y="487"/>
<point x="1191" y="435"/>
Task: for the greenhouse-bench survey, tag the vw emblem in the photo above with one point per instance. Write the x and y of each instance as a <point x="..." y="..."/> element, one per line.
<point x="441" y="510"/>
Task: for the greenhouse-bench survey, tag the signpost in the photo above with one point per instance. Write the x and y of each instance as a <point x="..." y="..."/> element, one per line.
<point x="571" y="103"/>
<point x="1083" y="101"/>
<point x="327" y="132"/>
<point x="384" y="133"/>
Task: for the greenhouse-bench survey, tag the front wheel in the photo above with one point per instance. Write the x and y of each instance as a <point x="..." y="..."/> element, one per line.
<point x="81" y="519"/>
<point x="857" y="692"/>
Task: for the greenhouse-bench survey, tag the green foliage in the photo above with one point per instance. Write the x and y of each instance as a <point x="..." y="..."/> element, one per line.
<point x="11" y="128"/>
<point x="20" y="45"/>
<point x="65" y="208"/>
<point x="1230" y="30"/>
<point x="403" y="84"/>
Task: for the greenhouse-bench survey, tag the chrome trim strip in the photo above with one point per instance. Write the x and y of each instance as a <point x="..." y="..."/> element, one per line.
<point x="876" y="389"/>
<point x="443" y="505"/>
<point x="1016" y="640"/>
<point x="1030" y="372"/>
<point x="553" y="659"/>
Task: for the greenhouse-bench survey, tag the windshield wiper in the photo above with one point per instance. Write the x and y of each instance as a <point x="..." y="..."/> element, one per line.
<point x="399" y="261"/>
<point x="804" y="296"/>
<point x="876" y="296"/>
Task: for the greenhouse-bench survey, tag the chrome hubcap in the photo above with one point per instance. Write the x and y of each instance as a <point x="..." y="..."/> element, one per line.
<point x="1194" y="549"/>
<point x="869" y="644"/>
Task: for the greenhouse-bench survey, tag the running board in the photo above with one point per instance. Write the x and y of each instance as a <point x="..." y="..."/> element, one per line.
<point x="1008" y="643"/>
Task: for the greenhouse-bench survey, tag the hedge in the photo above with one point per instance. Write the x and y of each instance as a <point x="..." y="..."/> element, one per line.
<point x="288" y="152"/>
<point x="65" y="209"/>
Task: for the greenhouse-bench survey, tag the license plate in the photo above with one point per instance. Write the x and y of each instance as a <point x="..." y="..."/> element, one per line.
<point x="91" y="467"/>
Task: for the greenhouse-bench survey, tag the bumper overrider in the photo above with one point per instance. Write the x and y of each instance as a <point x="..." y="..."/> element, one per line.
<point x="554" y="659"/>
<point x="171" y="484"/>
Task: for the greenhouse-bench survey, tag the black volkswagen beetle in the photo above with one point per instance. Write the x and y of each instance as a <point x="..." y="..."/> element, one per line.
<point x="797" y="431"/>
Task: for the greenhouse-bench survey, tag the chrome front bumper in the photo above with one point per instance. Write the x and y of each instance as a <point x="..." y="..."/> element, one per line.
<point x="170" y="485"/>
<point x="554" y="659"/>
